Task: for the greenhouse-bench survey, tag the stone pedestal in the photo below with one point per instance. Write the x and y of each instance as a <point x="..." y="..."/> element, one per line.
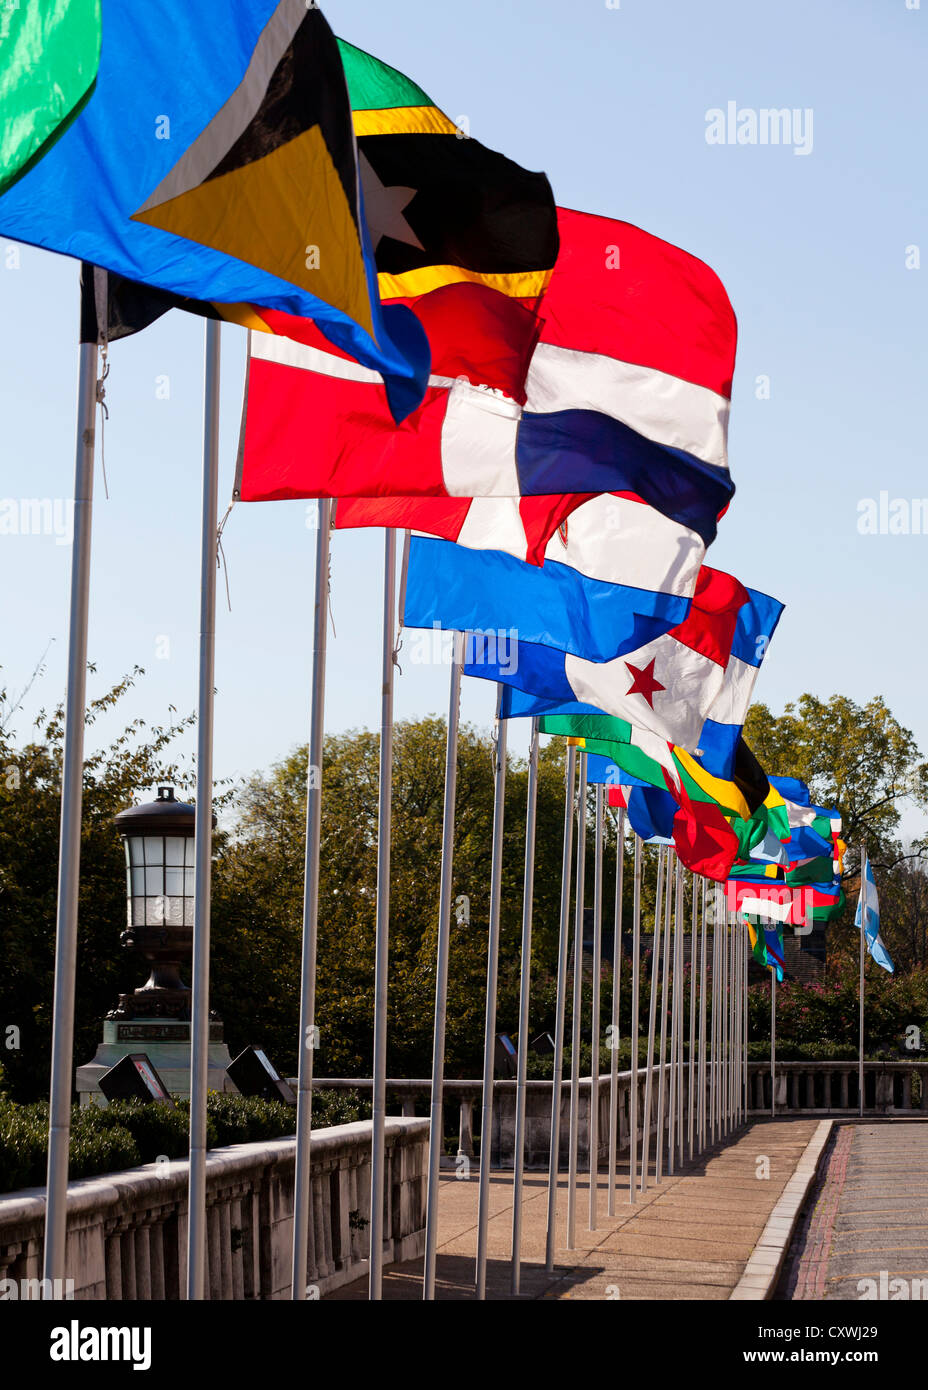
<point x="167" y="1043"/>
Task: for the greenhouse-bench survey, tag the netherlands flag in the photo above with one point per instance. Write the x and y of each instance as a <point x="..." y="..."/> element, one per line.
<point x="623" y="384"/>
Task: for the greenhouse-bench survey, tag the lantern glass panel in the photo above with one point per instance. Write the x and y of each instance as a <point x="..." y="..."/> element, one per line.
<point x="154" y="850"/>
<point x="188" y="912"/>
<point x="188" y="883"/>
<point x="154" y="912"/>
<point x="174" y="850"/>
<point x="138" y="883"/>
<point x="138" y="912"/>
<point x="135" y="850"/>
<point x="154" y="881"/>
<point x="174" y="911"/>
<point x="174" y="881"/>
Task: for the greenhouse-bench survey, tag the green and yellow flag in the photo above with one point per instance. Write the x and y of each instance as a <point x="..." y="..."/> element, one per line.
<point x="643" y="756"/>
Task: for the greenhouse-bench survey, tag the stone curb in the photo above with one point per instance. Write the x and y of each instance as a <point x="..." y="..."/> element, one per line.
<point x="763" y="1268"/>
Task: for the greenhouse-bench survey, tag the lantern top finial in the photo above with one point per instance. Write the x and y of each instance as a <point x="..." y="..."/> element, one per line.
<point x="163" y="816"/>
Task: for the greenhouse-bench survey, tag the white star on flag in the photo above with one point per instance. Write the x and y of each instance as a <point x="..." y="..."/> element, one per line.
<point x="384" y="206"/>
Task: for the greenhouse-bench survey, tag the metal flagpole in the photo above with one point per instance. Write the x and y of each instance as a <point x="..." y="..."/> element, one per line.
<point x="691" y="1098"/>
<point x="203" y="841"/>
<point x="860" y="1065"/>
<point x="594" y="1023"/>
<point x="743" y="963"/>
<point x="732" y="1028"/>
<point x="713" y="1022"/>
<point x="441" y="970"/>
<point x="382" y="930"/>
<point x="652" y="1018"/>
<point x="726" y="1002"/>
<point x="302" y="1192"/>
<point x="717" y="1020"/>
<point x="524" y="993"/>
<point x="702" y="1021"/>
<point x="69" y="844"/>
<point x="735" y="1023"/>
<point x="747" y="1078"/>
<point x="739" y="1021"/>
<point x="636" y="962"/>
<point x="719" y="1093"/>
<point x="674" y="1032"/>
<point x="489" y="1036"/>
<point x="737" y="976"/>
<point x="773" y="1043"/>
<point x="575" y="1020"/>
<point x="560" y="1007"/>
<point x="616" y="999"/>
<point x="661" y="1070"/>
<point x="681" y="992"/>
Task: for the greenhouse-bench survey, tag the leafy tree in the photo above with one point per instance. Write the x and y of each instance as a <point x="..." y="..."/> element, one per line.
<point x="30" y="793"/>
<point x="856" y="757"/>
<point x="904" y="911"/>
<point x="258" y="895"/>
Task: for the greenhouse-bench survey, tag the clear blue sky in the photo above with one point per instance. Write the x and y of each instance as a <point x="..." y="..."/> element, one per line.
<point x="612" y="103"/>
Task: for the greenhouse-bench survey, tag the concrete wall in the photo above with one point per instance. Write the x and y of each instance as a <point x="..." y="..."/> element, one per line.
<point x="127" y="1231"/>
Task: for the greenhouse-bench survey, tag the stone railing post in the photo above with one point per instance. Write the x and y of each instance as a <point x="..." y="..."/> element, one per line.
<point x="466" y="1127"/>
<point x="884" y="1091"/>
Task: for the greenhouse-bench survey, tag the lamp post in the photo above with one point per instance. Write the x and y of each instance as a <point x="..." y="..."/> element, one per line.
<point x="155" y="1018"/>
<point x="158" y="840"/>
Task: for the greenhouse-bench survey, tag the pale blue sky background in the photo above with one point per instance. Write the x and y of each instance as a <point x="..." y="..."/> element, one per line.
<point x="612" y="103"/>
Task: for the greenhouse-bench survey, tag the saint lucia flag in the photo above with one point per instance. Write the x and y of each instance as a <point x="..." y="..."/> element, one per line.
<point x="868" y="909"/>
<point x="215" y="159"/>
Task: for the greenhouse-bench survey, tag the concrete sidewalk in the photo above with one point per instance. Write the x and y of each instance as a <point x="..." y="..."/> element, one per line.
<point x="865" y="1233"/>
<point x="688" y="1238"/>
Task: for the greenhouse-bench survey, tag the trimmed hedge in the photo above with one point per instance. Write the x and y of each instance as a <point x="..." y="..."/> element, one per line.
<point x="128" y="1133"/>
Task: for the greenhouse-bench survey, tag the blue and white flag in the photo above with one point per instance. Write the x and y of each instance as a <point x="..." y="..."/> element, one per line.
<point x="615" y="578"/>
<point x="868" y="908"/>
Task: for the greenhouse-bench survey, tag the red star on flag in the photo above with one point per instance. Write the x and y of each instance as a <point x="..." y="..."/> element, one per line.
<point x="643" y="682"/>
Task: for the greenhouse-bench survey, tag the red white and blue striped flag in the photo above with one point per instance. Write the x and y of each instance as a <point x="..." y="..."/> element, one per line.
<point x="625" y="389"/>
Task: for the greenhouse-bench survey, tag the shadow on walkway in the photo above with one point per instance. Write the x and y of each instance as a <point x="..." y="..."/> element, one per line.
<point x="688" y="1237"/>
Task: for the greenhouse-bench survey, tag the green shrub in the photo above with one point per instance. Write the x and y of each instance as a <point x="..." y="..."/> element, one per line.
<point x="101" y="1151"/>
<point x="338" y="1108"/>
<point x="22" y="1147"/>
<point x="128" y="1133"/>
<point x="245" y="1119"/>
<point x="158" y="1131"/>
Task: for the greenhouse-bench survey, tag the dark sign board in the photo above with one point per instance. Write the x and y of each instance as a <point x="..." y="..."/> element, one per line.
<point x="134" y="1078"/>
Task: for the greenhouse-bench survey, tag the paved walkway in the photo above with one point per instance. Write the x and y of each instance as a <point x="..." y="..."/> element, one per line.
<point x="867" y="1218"/>
<point x="688" y="1238"/>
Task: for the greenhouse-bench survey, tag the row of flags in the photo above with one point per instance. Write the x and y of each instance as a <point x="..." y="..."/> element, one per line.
<point x="538" y="396"/>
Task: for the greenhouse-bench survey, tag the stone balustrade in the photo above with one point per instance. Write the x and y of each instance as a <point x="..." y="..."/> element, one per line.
<point x="407" y="1095"/>
<point x="830" y="1088"/>
<point x="802" y="1087"/>
<point x="127" y="1231"/>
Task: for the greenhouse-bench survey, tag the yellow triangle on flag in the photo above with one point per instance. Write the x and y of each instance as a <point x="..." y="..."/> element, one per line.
<point x="286" y="213"/>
